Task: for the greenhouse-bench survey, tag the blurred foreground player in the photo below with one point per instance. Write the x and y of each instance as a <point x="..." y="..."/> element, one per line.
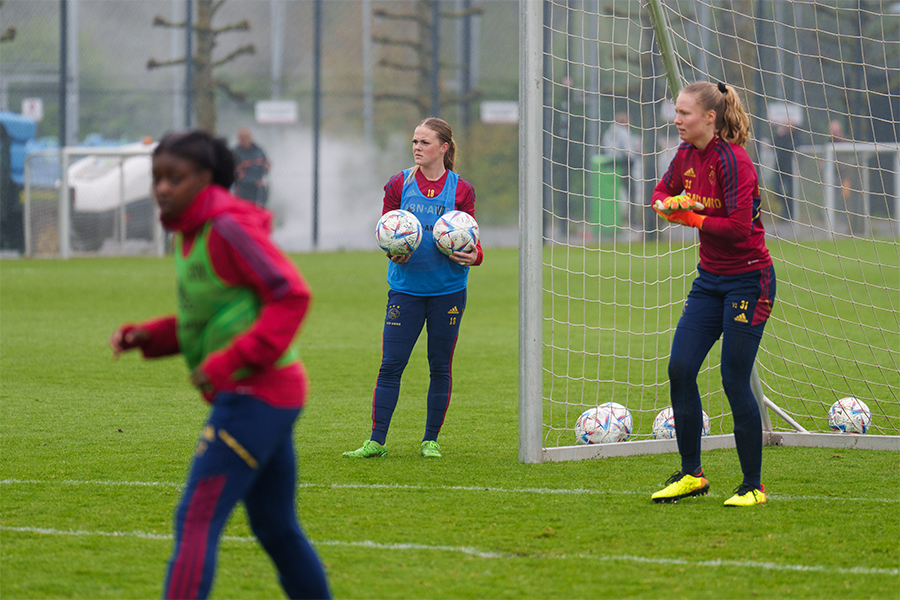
<point x="240" y="303"/>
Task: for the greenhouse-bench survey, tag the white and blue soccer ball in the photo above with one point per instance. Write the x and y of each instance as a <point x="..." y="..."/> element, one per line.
<point x="398" y="232"/>
<point x="455" y="231"/>
<point x="849" y="415"/>
<point x="609" y="422"/>
<point x="664" y="424"/>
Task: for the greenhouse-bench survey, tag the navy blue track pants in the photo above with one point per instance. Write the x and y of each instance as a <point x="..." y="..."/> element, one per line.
<point x="736" y="308"/>
<point x="245" y="452"/>
<point x="404" y="319"/>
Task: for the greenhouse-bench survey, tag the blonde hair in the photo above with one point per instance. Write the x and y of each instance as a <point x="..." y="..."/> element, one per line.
<point x="732" y="121"/>
<point x="445" y="136"/>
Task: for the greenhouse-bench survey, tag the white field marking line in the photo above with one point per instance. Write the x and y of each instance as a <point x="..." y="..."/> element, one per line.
<point x="247" y="539"/>
<point x="91" y="482"/>
<point x="405" y="487"/>
<point x="462" y="488"/>
<point x="766" y="566"/>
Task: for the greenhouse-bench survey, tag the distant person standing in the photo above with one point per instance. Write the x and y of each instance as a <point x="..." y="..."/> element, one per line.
<point x="427" y="288"/>
<point x="250" y="169"/>
<point x="623" y="147"/>
<point x="784" y="160"/>
<point x="836" y="131"/>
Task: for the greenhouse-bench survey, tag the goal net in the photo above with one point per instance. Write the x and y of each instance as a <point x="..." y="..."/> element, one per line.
<point x="87" y="201"/>
<point x="603" y="279"/>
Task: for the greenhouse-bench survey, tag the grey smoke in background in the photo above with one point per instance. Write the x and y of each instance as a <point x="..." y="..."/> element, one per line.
<point x="351" y="188"/>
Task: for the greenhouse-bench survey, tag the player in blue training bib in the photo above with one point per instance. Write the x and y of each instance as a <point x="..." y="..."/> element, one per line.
<point x="427" y="288"/>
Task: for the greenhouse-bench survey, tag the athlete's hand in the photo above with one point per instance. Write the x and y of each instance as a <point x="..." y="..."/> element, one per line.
<point x="126" y="337"/>
<point x="689" y="218"/>
<point x="202" y="382"/>
<point x="670" y="204"/>
<point x="399" y="258"/>
<point x="466" y="258"/>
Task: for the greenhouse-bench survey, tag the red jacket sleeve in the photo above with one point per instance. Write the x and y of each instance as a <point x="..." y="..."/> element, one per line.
<point x="163" y="337"/>
<point x="671" y="183"/>
<point x="465" y="201"/>
<point x="245" y="255"/>
<point x="393" y="193"/>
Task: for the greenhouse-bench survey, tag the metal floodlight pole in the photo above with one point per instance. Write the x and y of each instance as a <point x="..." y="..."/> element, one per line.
<point x="465" y="64"/>
<point x="317" y="97"/>
<point x="63" y="70"/>
<point x="277" y="19"/>
<point x="435" y="58"/>
<point x="368" y="78"/>
<point x="188" y="63"/>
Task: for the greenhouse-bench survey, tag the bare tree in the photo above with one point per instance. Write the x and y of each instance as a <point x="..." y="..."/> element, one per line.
<point x="420" y="43"/>
<point x="204" y="83"/>
<point x="10" y="33"/>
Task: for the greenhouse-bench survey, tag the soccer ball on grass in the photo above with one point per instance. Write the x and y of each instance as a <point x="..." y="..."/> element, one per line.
<point x="398" y="232"/>
<point x="455" y="231"/>
<point x="609" y="422"/>
<point x="849" y="415"/>
<point x="664" y="424"/>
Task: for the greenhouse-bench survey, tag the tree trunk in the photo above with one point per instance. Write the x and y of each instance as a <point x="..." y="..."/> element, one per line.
<point x="204" y="84"/>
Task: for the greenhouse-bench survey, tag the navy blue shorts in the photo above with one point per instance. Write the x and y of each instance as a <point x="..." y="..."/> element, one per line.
<point x="735" y="303"/>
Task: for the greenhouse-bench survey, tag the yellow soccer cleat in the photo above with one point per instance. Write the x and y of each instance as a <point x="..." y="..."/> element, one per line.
<point x="747" y="495"/>
<point x="681" y="485"/>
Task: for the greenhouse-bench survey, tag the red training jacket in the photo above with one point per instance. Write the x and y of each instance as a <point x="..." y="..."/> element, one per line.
<point x="723" y="178"/>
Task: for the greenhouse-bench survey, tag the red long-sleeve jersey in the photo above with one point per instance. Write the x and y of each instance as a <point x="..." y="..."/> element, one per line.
<point x="721" y="177"/>
<point x="465" y="197"/>
<point x="242" y="254"/>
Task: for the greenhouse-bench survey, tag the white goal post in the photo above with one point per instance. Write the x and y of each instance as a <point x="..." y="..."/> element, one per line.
<point x="602" y="280"/>
<point x="83" y="201"/>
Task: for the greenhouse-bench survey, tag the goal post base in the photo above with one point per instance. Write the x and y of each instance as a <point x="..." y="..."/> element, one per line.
<point x="835" y="440"/>
<point x="711" y="442"/>
<point x="717" y="442"/>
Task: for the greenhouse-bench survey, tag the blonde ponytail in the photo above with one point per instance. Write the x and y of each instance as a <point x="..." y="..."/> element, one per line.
<point x="732" y="121"/>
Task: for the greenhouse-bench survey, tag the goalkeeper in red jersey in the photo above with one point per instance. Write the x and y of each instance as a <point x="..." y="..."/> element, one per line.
<point x="711" y="185"/>
<point x="240" y="303"/>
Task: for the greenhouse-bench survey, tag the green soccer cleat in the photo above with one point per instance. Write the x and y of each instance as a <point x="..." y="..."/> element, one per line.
<point x="681" y="485"/>
<point x="747" y="495"/>
<point x="431" y="449"/>
<point x="371" y="449"/>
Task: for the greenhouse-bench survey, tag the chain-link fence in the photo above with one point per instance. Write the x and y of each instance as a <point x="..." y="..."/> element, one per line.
<point x="373" y="72"/>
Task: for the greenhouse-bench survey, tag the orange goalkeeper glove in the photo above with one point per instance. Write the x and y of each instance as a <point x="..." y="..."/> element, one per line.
<point x="687" y="217"/>
<point x="670" y="204"/>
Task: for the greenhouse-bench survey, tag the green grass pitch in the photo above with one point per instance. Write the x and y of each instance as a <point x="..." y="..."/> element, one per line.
<point x="93" y="453"/>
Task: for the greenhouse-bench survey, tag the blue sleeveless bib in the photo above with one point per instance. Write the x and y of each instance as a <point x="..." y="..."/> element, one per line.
<point x="428" y="272"/>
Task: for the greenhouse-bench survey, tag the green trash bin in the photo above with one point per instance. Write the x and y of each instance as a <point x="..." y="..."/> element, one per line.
<point x="603" y="196"/>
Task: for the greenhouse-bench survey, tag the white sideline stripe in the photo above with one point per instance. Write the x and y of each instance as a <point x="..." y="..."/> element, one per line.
<point x="245" y="539"/>
<point x="462" y="488"/>
<point x="766" y="566"/>
<point x="92" y="482"/>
